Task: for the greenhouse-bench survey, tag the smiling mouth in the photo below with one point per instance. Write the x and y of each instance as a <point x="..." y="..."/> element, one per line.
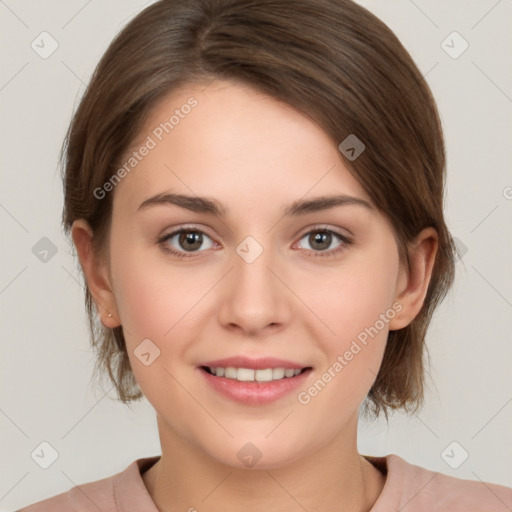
<point x="252" y="375"/>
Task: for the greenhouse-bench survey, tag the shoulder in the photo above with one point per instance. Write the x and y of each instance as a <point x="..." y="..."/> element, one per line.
<point x="91" y="496"/>
<point x="420" y="489"/>
<point x="109" y="493"/>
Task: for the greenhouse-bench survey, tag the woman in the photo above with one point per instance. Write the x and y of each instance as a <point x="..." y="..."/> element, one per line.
<point x="253" y="131"/>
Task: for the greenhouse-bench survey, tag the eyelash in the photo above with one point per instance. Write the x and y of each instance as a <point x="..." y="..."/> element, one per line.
<point x="316" y="254"/>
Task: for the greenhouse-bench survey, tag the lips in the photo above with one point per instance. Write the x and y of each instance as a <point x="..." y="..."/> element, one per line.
<point x="254" y="381"/>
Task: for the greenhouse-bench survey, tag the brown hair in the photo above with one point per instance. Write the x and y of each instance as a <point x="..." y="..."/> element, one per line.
<point x="332" y="60"/>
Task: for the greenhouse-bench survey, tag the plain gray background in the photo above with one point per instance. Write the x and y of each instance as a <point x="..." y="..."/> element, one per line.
<point x="46" y="361"/>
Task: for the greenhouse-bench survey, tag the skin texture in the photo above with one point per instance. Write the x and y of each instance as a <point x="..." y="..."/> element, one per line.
<point x="255" y="156"/>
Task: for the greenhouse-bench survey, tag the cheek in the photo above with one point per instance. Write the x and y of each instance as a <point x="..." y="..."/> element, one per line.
<point x="153" y="297"/>
<point x="356" y="304"/>
<point x="153" y="306"/>
<point x="354" y="296"/>
<point x="157" y="302"/>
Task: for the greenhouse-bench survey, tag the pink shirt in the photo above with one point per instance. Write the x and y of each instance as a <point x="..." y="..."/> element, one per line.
<point x="408" y="488"/>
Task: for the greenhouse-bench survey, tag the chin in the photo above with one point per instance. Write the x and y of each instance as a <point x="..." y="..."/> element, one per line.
<point x="256" y="454"/>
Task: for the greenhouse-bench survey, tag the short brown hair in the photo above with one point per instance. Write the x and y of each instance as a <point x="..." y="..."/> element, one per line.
<point x="332" y="60"/>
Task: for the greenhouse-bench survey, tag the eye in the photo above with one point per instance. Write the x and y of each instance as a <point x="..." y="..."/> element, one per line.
<point x="187" y="242"/>
<point x="183" y="241"/>
<point x="321" y="239"/>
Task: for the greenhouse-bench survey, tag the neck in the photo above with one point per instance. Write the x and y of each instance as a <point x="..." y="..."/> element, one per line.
<point x="334" y="478"/>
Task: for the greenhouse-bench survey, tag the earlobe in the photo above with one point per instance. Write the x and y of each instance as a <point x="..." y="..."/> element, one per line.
<point x="96" y="274"/>
<point x="413" y="283"/>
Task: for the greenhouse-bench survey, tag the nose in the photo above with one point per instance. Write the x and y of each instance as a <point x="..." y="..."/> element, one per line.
<point x="254" y="298"/>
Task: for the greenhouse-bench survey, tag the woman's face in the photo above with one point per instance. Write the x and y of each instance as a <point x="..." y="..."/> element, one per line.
<point x="273" y="291"/>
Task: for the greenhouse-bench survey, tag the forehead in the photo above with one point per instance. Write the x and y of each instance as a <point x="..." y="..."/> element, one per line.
<point x="229" y="141"/>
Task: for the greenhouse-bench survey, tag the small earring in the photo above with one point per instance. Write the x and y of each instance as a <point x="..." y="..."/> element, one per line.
<point x="110" y="314"/>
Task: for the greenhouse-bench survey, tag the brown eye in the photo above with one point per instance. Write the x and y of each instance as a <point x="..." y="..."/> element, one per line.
<point x="321" y="240"/>
<point x="190" y="240"/>
<point x="183" y="241"/>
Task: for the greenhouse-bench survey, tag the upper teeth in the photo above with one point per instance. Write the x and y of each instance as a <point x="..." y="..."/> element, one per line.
<point x="248" y="374"/>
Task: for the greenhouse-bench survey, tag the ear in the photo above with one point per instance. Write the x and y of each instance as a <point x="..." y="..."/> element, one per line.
<point x="412" y="283"/>
<point x="96" y="273"/>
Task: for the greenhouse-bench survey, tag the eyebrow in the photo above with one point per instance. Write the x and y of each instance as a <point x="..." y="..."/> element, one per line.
<point x="213" y="207"/>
